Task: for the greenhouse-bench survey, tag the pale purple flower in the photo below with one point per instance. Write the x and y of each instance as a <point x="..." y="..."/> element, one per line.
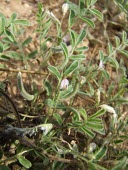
<point x="101" y="65"/>
<point x="64" y="84"/>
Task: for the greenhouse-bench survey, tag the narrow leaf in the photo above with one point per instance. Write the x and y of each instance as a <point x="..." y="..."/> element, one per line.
<point x="117" y="41"/>
<point x="83" y="113"/>
<point x="1" y="47"/>
<point x="81" y="49"/>
<point x="94" y="166"/>
<point x="2" y="25"/>
<point x="9" y="35"/>
<point x="22" y="22"/>
<point x="3" y="167"/>
<point x="32" y="54"/>
<point x="58" y="118"/>
<point x="78" y="57"/>
<point x="124" y="52"/>
<point x="23" y="161"/>
<point x="54" y="70"/>
<point x="101" y="55"/>
<point x="110" y="48"/>
<point x="65" y="49"/>
<point x="93" y="2"/>
<point x="27" y="41"/>
<point x="114" y="62"/>
<point x="64" y="93"/>
<point x="71" y="18"/>
<point x="71" y="68"/>
<point x="48" y="87"/>
<point x="88" y="21"/>
<point x="81" y="36"/>
<point x="88" y="132"/>
<point x="97" y="13"/>
<point x="101" y="153"/>
<point x="13" y="17"/>
<point x="98" y="113"/>
<point x="124" y="36"/>
<point x="121" y="164"/>
<point x="73" y="36"/>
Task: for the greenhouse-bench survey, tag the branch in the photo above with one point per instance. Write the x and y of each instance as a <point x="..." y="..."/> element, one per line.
<point x="22" y="71"/>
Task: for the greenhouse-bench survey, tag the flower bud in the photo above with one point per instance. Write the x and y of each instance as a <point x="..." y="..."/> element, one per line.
<point x="108" y="108"/>
<point x="52" y="16"/>
<point x="64" y="84"/>
<point x="65" y="8"/>
<point x="101" y="65"/>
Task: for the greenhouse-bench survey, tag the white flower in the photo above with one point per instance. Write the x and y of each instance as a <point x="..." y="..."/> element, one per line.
<point x="101" y="65"/>
<point x="98" y="95"/>
<point x="108" y="108"/>
<point x="52" y="16"/>
<point x="65" y="8"/>
<point x="64" y="84"/>
<point x="92" y="146"/>
<point x="46" y="128"/>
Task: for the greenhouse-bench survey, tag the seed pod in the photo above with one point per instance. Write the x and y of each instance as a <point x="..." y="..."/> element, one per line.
<point x="22" y="90"/>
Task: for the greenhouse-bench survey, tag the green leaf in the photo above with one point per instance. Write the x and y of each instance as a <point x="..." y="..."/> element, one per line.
<point x="2" y="66"/>
<point x="50" y="103"/>
<point x="124" y="37"/>
<point x="88" y="3"/>
<point x="7" y="40"/>
<point x="114" y="62"/>
<point x="2" y="25"/>
<point x="81" y="36"/>
<point x="101" y="54"/>
<point x="93" y="166"/>
<point x="48" y="87"/>
<point x="9" y="35"/>
<point x="1" y="47"/>
<point x="101" y="153"/>
<point x="105" y="74"/>
<point x="6" y="46"/>
<point x="93" y="2"/>
<point x="64" y="93"/>
<point x="78" y="57"/>
<point x="3" y="167"/>
<point x="95" y="120"/>
<point x="94" y="126"/>
<point x="23" y="161"/>
<point x="13" y="17"/>
<point x="110" y="48"/>
<point x="71" y="18"/>
<point x="121" y="164"/>
<point x="32" y="54"/>
<point x="1" y="152"/>
<point x="55" y="71"/>
<point x="73" y="36"/>
<point x="81" y="49"/>
<point x="124" y="52"/>
<point x="88" y="21"/>
<point x="71" y="68"/>
<point x="88" y="132"/>
<point x="58" y="118"/>
<point x="22" y="22"/>
<point x="83" y="113"/>
<point x="27" y="41"/>
<point x="98" y="113"/>
<point x="97" y="13"/>
<point x="117" y="39"/>
<point x="76" y="114"/>
<point x="65" y="49"/>
<point x="13" y="54"/>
